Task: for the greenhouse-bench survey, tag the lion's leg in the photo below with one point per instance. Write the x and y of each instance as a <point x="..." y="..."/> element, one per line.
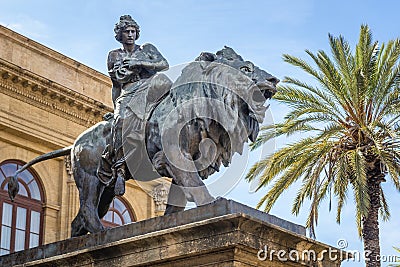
<point x="89" y="197"/>
<point x="176" y="199"/>
<point x="191" y="184"/>
<point x="78" y="226"/>
<point x="105" y="201"/>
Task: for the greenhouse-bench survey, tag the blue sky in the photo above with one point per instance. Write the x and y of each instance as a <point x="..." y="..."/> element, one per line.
<point x="261" y="31"/>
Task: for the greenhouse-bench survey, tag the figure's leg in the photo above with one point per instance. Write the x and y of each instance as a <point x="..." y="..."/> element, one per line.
<point x="104" y="171"/>
<point x="119" y="166"/>
<point x="111" y="167"/>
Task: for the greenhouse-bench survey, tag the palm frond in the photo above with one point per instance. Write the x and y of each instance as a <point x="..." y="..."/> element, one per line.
<point x="388" y="70"/>
<point x="324" y="96"/>
<point x="384" y="210"/>
<point x="343" y="59"/>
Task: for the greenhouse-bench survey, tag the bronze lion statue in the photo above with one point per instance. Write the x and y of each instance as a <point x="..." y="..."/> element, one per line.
<point x="191" y="127"/>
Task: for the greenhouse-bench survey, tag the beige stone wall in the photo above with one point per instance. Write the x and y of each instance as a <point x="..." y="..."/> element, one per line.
<point x="46" y="101"/>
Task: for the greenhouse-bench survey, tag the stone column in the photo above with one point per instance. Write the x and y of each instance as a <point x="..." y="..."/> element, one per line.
<point x="73" y="196"/>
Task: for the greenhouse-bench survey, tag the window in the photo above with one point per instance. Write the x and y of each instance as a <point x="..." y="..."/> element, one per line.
<point x="21" y="220"/>
<point x="118" y="214"/>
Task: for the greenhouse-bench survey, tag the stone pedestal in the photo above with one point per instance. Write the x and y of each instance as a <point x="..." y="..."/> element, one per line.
<point x="224" y="233"/>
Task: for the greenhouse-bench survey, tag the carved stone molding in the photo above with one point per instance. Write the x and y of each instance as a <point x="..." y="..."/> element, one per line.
<point x="55" y="98"/>
<point x="160" y="197"/>
<point x="68" y="167"/>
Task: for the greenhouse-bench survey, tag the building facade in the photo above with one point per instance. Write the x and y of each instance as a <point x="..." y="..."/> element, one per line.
<point x="46" y="100"/>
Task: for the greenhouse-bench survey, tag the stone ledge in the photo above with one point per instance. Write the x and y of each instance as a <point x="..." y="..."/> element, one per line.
<point x="224" y="233"/>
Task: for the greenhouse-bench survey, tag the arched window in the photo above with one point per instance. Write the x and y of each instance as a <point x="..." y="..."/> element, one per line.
<point x="21" y="220"/>
<point x="118" y="214"/>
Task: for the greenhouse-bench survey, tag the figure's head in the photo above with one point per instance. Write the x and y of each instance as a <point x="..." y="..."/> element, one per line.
<point x="125" y="21"/>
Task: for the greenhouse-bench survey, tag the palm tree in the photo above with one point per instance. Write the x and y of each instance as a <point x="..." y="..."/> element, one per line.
<point x="350" y="120"/>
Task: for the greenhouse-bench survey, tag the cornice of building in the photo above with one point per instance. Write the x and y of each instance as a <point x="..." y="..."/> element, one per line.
<point x="55" y="98"/>
<point x="53" y="55"/>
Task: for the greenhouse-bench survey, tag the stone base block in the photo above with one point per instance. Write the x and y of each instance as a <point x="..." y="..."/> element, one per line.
<point x="224" y="233"/>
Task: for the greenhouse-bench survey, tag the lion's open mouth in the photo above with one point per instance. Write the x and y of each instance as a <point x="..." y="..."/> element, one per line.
<point x="267" y="88"/>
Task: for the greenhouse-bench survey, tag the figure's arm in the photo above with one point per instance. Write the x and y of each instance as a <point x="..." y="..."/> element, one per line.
<point x="111" y="64"/>
<point x="112" y="67"/>
<point x="149" y="58"/>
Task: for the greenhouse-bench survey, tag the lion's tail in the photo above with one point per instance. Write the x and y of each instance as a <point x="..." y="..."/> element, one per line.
<point x="13" y="186"/>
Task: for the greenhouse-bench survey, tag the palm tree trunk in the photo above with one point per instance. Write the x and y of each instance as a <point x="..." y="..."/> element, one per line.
<point x="370" y="223"/>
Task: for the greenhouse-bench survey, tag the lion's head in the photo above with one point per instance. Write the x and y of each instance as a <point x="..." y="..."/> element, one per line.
<point x="227" y="56"/>
<point x="218" y="97"/>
